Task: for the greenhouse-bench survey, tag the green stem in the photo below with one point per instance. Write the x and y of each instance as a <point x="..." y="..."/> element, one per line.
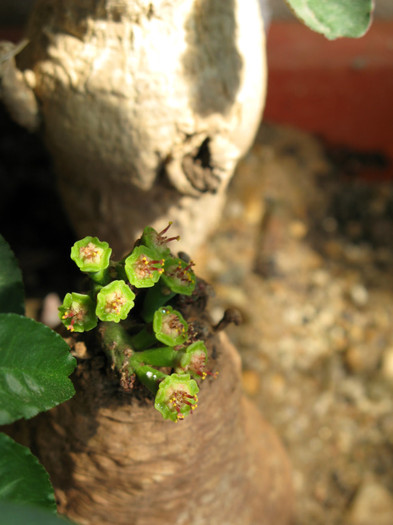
<point x="150" y="377"/>
<point x="117" y="344"/>
<point x="144" y="339"/>
<point x="118" y="271"/>
<point x="155" y="297"/>
<point x="101" y="277"/>
<point x="118" y="347"/>
<point x="163" y="356"/>
<point x="94" y="291"/>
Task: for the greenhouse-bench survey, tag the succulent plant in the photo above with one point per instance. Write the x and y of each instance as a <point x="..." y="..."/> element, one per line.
<point x="144" y="335"/>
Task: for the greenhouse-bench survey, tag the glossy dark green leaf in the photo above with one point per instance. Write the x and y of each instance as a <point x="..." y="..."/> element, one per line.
<point x="335" y="18"/>
<point x="15" y="514"/>
<point x="11" y="284"/>
<point x="35" y="363"/>
<point x="22" y="477"/>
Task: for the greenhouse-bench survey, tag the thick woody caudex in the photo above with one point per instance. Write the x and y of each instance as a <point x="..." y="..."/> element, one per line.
<point x="146" y="107"/>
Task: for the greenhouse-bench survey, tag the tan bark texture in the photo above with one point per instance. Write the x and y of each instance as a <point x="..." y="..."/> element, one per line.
<point x="146" y="107"/>
<point x="113" y="459"/>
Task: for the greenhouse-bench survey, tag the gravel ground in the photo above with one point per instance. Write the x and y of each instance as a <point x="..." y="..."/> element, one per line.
<point x="305" y="251"/>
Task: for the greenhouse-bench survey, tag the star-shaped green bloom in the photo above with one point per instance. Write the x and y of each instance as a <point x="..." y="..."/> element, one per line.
<point x="91" y="255"/>
<point x="77" y="313"/>
<point x="177" y="397"/>
<point x="114" y="301"/>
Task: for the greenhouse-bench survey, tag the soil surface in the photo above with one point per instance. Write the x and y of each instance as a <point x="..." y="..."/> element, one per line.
<point x="304" y="252"/>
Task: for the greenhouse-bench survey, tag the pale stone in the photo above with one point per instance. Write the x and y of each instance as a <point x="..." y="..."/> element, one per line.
<point x="373" y="504"/>
<point x="359" y="294"/>
<point x="251" y="382"/>
<point x="50" y="310"/>
<point x="298" y="229"/>
<point x="387" y="364"/>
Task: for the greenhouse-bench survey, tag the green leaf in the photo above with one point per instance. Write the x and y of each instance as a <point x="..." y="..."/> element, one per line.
<point x="22" y="477"/>
<point x="11" y="284"/>
<point x="14" y="514"/>
<point x="35" y="363"/>
<point x="335" y="18"/>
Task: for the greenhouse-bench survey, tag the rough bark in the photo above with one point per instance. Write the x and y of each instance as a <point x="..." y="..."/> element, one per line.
<point x="146" y="107"/>
<point x="114" y="460"/>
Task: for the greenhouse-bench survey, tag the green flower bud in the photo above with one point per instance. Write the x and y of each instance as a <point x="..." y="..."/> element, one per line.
<point x="178" y="276"/>
<point x="91" y="255"/>
<point x="169" y="326"/>
<point x="194" y="361"/>
<point x="142" y="267"/>
<point x="114" y="301"/>
<point x="157" y="241"/>
<point x="77" y="312"/>
<point x="176" y="396"/>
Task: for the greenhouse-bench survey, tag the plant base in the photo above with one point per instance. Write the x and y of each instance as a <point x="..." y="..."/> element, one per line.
<point x="113" y="459"/>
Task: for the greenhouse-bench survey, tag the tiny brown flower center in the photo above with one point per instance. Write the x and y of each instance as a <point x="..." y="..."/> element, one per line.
<point x="76" y="314"/>
<point x="183" y="275"/>
<point x="171" y="325"/>
<point x="144" y="266"/>
<point x="90" y="253"/>
<point x="179" y="398"/>
<point x="114" y="303"/>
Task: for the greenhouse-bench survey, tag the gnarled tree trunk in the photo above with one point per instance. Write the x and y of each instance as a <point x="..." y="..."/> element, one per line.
<point x="146" y="107"/>
<point x="113" y="459"/>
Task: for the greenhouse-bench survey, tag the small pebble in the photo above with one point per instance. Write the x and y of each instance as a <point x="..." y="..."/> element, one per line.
<point x="320" y="277"/>
<point x="277" y="385"/>
<point x="333" y="249"/>
<point x="373" y="505"/>
<point x="359" y="295"/>
<point x="354" y="359"/>
<point x="80" y="350"/>
<point x="251" y="382"/>
<point x="297" y="230"/>
<point x="387" y="364"/>
<point x="50" y="310"/>
<point x="254" y="210"/>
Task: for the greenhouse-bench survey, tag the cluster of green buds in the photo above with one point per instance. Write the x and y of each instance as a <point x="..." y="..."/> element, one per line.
<point x="134" y="302"/>
<point x="110" y="298"/>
